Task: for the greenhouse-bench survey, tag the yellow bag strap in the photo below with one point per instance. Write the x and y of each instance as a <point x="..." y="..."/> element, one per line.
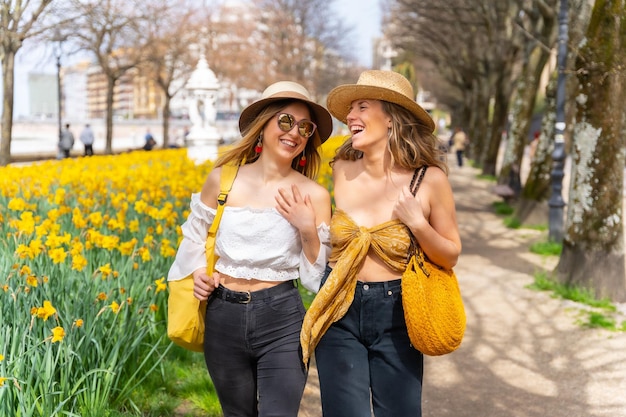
<point x="229" y="172"/>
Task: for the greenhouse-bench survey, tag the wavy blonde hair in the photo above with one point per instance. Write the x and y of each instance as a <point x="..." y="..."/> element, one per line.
<point x="411" y="144"/>
<point x="243" y="150"/>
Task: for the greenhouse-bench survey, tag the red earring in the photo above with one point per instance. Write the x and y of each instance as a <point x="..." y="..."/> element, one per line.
<point x="259" y="145"/>
<point x="302" y="161"/>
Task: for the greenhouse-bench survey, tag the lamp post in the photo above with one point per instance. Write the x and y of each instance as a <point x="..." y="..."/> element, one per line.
<point x="556" y="203"/>
<point x="57" y="52"/>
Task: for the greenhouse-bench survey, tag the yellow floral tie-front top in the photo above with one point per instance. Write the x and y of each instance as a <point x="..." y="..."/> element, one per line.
<point x="390" y="241"/>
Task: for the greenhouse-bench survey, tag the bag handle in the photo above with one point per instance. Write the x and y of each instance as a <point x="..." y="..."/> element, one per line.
<point x="415" y="248"/>
<point x="227" y="178"/>
<point x="417" y="180"/>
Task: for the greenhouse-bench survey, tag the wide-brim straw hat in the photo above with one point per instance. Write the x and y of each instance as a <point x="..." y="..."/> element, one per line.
<point x="377" y="85"/>
<point x="288" y="90"/>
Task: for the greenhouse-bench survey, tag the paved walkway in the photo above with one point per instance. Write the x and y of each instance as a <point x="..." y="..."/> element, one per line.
<point x="523" y="355"/>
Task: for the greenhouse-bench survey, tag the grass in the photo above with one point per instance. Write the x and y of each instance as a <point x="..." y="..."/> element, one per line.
<point x="547" y="248"/>
<point x="600" y="313"/>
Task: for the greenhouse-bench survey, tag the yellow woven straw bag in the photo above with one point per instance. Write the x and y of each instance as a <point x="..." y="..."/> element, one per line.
<point x="185" y="313"/>
<point x="433" y="308"/>
<point x="431" y="299"/>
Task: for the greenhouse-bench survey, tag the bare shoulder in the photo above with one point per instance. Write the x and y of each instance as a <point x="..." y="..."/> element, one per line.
<point x="435" y="175"/>
<point x="211" y="187"/>
<point x="436" y="183"/>
<point x="314" y="189"/>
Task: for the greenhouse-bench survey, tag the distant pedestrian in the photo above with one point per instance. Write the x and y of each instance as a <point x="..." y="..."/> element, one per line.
<point x="87" y="138"/>
<point x="459" y="142"/>
<point x="66" y="142"/>
<point x="150" y="142"/>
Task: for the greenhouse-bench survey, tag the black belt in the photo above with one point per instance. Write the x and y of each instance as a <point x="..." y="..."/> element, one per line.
<point x="244" y="297"/>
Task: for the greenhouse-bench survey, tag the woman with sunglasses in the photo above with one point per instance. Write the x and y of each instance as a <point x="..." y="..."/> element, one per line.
<point x="364" y="357"/>
<point x="274" y="230"/>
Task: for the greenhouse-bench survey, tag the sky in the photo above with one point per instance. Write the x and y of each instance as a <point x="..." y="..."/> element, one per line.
<point x="363" y="15"/>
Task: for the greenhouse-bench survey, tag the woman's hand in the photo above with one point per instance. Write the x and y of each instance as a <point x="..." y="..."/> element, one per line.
<point x="203" y="285"/>
<point x="409" y="209"/>
<point x="296" y="209"/>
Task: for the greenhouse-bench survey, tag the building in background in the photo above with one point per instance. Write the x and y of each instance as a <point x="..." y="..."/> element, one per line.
<point x="42" y="92"/>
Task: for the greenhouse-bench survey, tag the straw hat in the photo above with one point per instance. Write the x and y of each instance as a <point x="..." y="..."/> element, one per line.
<point x="288" y="90"/>
<point x="377" y="85"/>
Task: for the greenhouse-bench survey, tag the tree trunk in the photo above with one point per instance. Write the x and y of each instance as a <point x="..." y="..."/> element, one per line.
<point x="498" y="122"/>
<point x="166" y="120"/>
<point x="593" y="248"/>
<point x="522" y="110"/>
<point x="109" y="115"/>
<point x="8" y="63"/>
<point x="532" y="206"/>
<point x="479" y="121"/>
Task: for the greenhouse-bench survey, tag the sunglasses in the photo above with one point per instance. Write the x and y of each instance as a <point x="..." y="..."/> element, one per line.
<point x="286" y="121"/>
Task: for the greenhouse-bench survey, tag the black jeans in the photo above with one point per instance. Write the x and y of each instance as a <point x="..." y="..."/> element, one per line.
<point x="252" y="351"/>
<point x="369" y="349"/>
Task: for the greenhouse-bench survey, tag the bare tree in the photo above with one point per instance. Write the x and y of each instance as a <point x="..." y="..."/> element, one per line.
<point x="471" y="45"/>
<point x="172" y="28"/>
<point x="18" y="21"/>
<point x="303" y="40"/>
<point x="593" y="246"/>
<point x="235" y="48"/>
<point x="113" y="31"/>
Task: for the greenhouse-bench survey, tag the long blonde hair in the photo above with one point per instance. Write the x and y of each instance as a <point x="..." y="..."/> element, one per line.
<point x="411" y="144"/>
<point x="243" y="150"/>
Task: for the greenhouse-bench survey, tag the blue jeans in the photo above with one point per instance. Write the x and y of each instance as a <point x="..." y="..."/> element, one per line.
<point x="369" y="349"/>
<point x="459" y="158"/>
<point x="252" y="351"/>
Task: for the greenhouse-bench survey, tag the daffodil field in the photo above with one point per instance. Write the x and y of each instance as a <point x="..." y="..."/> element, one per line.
<point x="85" y="248"/>
<point x="86" y="244"/>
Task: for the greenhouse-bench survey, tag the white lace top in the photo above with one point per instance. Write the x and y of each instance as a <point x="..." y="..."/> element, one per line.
<point x="251" y="243"/>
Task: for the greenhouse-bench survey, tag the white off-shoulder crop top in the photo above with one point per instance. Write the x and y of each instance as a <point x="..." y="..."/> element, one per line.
<point x="251" y="243"/>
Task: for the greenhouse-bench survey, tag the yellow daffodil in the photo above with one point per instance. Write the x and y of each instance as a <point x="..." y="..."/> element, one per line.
<point x="46" y="311"/>
<point x="17" y="204"/>
<point x="126" y="248"/>
<point x="102" y="296"/>
<point x="140" y="206"/>
<point x="2" y="379"/>
<point x="133" y="226"/>
<point x="58" y="333"/>
<point x="79" y="262"/>
<point x="115" y="307"/>
<point x="105" y="270"/>
<point x="78" y="323"/>
<point x="57" y="255"/>
<point x="154" y="307"/>
<point x="31" y="281"/>
<point x="26" y="224"/>
<point x="22" y="252"/>
<point x="95" y="219"/>
<point x="145" y="254"/>
<point x="160" y="285"/>
<point x="36" y="247"/>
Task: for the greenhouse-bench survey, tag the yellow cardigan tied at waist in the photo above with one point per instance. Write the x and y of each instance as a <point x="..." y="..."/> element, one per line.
<point x="350" y="245"/>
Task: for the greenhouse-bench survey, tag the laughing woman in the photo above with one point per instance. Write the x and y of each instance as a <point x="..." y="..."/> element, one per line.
<point x="356" y="322"/>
